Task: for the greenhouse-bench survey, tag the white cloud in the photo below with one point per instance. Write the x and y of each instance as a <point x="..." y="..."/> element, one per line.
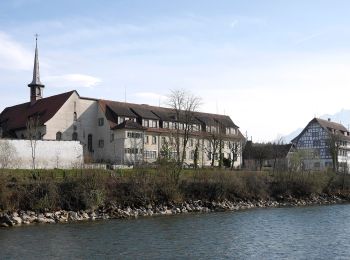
<point x="12" y="55"/>
<point x="73" y="80"/>
<point x="309" y="37"/>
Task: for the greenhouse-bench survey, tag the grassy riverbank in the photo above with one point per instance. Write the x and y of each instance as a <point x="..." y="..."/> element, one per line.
<point x="50" y="190"/>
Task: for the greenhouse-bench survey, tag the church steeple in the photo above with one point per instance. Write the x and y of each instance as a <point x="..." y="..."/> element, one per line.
<point x="36" y="87"/>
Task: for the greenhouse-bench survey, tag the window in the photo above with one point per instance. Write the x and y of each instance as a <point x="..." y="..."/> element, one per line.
<point x="192" y="155"/>
<point x="163" y="140"/>
<point x="165" y="124"/>
<point x="100" y="121"/>
<point x="75" y="117"/>
<point x="90" y="143"/>
<point x="112" y="137"/>
<point x="146" y="139"/>
<point x="101" y="143"/>
<point x="209" y="156"/>
<point x="132" y="150"/>
<point x="121" y="119"/>
<point x="154" y="139"/>
<point x="58" y="136"/>
<point x="153" y="123"/>
<point x="191" y="142"/>
<point x="150" y="154"/>
<point x="134" y="135"/>
<point x="145" y="123"/>
<point x="75" y="136"/>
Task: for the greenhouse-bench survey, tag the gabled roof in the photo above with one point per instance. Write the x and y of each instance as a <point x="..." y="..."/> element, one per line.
<point x="267" y="151"/>
<point x="119" y="108"/>
<point x="331" y="125"/>
<point x="215" y="119"/>
<point x="16" y="117"/>
<point x="144" y="111"/>
<point x="327" y="125"/>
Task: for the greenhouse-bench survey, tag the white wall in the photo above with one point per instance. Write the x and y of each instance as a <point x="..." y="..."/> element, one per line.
<point x="63" y="121"/>
<point x="49" y="154"/>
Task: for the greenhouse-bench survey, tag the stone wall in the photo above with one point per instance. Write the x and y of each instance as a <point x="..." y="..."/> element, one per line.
<point x="17" y="154"/>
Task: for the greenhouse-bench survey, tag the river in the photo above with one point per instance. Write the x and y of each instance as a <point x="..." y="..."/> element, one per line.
<point x="317" y="232"/>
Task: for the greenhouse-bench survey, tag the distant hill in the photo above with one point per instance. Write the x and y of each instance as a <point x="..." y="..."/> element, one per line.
<point x="343" y="117"/>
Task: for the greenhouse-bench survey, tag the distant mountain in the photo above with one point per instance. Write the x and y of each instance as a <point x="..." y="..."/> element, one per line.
<point x="292" y="135"/>
<point x="342" y="117"/>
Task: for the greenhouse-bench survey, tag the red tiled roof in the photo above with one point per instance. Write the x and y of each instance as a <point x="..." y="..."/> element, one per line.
<point x="16" y="117"/>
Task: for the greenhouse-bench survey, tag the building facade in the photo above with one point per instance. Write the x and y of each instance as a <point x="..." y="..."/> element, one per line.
<point x="119" y="132"/>
<point x="324" y="144"/>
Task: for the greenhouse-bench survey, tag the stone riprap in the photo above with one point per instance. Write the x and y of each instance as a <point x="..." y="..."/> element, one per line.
<point x="114" y="211"/>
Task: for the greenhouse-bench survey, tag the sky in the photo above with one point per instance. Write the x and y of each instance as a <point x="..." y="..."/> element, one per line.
<point x="270" y="65"/>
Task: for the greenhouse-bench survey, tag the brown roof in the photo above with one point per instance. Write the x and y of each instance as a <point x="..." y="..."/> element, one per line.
<point x="267" y="151"/>
<point x="16" y="117"/>
<point x="215" y="119"/>
<point x="329" y="126"/>
<point x="160" y="113"/>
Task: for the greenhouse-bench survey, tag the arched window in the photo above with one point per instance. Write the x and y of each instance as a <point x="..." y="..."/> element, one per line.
<point x="75" y="136"/>
<point x="75" y="117"/>
<point x="90" y="143"/>
<point x="58" y="136"/>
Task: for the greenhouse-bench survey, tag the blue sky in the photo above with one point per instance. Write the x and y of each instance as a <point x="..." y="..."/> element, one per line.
<point x="270" y="65"/>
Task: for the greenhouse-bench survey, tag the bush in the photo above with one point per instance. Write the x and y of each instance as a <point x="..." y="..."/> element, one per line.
<point x="89" y="189"/>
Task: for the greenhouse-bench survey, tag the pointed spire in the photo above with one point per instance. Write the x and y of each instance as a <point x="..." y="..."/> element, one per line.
<point x="36" y="87"/>
<point x="36" y="73"/>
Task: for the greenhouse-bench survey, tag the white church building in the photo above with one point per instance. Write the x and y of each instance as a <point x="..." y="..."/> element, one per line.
<point x="117" y="132"/>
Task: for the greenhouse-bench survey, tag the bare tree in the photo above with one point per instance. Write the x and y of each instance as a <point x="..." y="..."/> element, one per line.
<point x="184" y="105"/>
<point x="215" y="144"/>
<point x="196" y="155"/>
<point x="33" y="135"/>
<point x="237" y="151"/>
<point x="333" y="143"/>
<point x="7" y="153"/>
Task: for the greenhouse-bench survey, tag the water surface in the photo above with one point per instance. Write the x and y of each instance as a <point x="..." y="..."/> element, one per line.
<point x="319" y="232"/>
